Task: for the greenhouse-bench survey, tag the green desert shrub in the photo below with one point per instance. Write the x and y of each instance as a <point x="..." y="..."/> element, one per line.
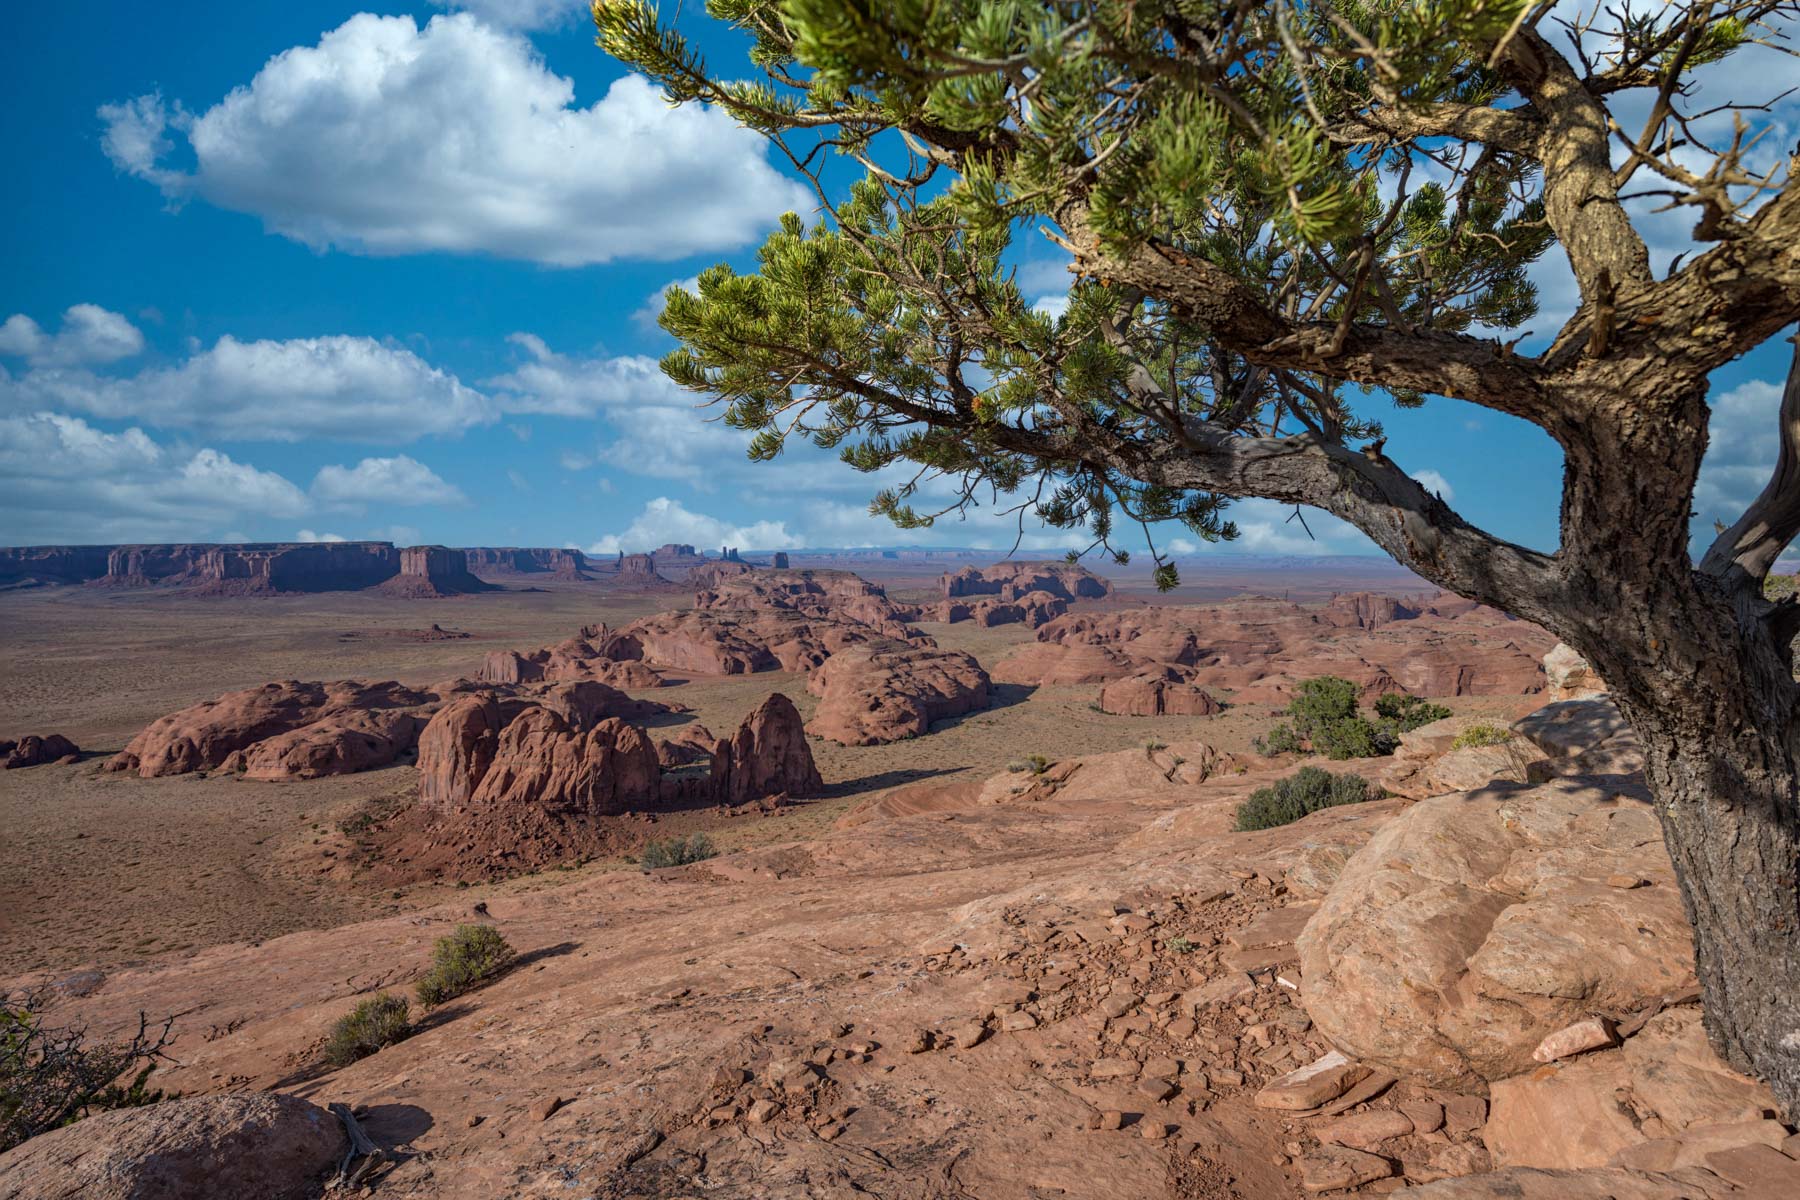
<point x="1408" y="712"/>
<point x="676" y="851"/>
<point x="1280" y="740"/>
<point x="377" y="1022"/>
<point x="466" y="956"/>
<point x="1323" y="717"/>
<point x="1780" y="587"/>
<point x="1481" y="735"/>
<point x="1306" y="791"/>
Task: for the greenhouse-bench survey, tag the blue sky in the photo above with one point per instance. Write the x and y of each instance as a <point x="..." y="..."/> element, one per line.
<point x="306" y="270"/>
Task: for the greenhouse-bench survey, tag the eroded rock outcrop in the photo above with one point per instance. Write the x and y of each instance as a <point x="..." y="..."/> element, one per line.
<point x="1261" y="648"/>
<point x="1166" y="691"/>
<point x="1013" y="580"/>
<point x="572" y="659"/>
<point x="206" y="736"/>
<point x="530" y="561"/>
<point x="870" y="694"/>
<point x="261" y="1144"/>
<point x="1032" y="610"/>
<point x="34" y="750"/>
<point x="767" y="756"/>
<point x="826" y="595"/>
<point x="1475" y="924"/>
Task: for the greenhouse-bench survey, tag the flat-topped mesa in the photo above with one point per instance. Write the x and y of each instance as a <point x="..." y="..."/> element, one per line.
<point x="253" y="567"/>
<point x="39" y="566"/>
<point x="506" y="561"/>
<point x="430" y="571"/>
<point x="710" y="574"/>
<point x="1014" y="580"/>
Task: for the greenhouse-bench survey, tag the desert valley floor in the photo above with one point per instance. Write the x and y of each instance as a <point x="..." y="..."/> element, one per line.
<point x="947" y="974"/>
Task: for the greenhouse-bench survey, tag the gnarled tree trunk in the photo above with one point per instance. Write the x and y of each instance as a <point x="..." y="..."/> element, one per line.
<point x="1709" y="689"/>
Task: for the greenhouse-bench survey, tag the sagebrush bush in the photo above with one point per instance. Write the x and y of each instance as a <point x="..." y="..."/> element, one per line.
<point x="1355" y="737"/>
<point x="676" y="851"/>
<point x="1408" y="712"/>
<point x="1306" y="791"/>
<point x="1323" y="720"/>
<point x="462" y="958"/>
<point x="1481" y="735"/>
<point x="1280" y="740"/>
<point x="377" y="1022"/>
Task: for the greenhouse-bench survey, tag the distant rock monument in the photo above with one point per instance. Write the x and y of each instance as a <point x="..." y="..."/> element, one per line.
<point x="780" y="561"/>
<point x="427" y="572"/>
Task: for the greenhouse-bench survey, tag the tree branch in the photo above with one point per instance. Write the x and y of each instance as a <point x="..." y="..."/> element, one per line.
<point x="1751" y="546"/>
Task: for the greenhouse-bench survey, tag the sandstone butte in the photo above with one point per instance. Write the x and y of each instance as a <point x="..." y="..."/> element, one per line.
<point x="1022" y="976"/>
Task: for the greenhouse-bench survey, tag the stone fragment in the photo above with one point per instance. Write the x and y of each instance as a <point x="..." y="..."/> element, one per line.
<point x="1571" y="1040"/>
<point x="1311" y="1085"/>
<point x="1335" y="1168"/>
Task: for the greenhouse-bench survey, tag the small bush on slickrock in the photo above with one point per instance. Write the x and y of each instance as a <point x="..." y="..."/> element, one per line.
<point x="1481" y="735"/>
<point x="676" y="851"/>
<point x="374" y="1024"/>
<point x="1280" y="740"/>
<point x="1306" y="791"/>
<point x="1408" y="713"/>
<point x="467" y="956"/>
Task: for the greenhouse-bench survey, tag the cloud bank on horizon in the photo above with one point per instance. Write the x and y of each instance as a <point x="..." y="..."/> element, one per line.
<point x="414" y="268"/>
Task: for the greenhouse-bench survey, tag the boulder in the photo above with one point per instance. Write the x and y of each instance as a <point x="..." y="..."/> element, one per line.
<point x="34" y="750"/>
<point x="874" y="694"/>
<point x="691" y="744"/>
<point x="1662" y="1086"/>
<point x="1161" y="691"/>
<point x="767" y="756"/>
<point x="1567" y="675"/>
<point x="1475" y="924"/>
<point x="249" y="1144"/>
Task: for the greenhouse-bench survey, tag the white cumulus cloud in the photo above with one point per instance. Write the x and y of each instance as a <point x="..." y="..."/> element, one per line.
<point x="397" y="480"/>
<point x="666" y="520"/>
<point x="388" y="138"/>
<point x="519" y="14"/>
<point x="573" y="386"/>
<point x="308" y="535"/>
<point x="1740" y="454"/>
<point x="348" y="388"/>
<point x="89" y="334"/>
<point x="63" y="480"/>
<point x="1435" y="482"/>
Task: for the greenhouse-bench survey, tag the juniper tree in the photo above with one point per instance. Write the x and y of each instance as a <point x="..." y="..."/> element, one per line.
<point x="1281" y="218"/>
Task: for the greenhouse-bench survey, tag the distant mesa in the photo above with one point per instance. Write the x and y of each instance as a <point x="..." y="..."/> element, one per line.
<point x="512" y="561"/>
<point x="278" y="568"/>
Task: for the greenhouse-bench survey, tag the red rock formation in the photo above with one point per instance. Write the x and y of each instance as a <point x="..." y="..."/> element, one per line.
<point x="710" y="574"/>
<point x="691" y="744"/>
<point x="715" y="642"/>
<point x="779" y="560"/>
<point x="1159" y="692"/>
<point x="1032" y="610"/>
<point x="543" y="759"/>
<point x="508" y="561"/>
<point x="34" y="750"/>
<point x="767" y="756"/>
<point x="885" y="692"/>
<point x="1010" y="581"/>
<point x="1260" y="648"/>
<point x="428" y="572"/>
<point x="338" y="743"/>
<point x="1366" y="610"/>
<point x="573" y="659"/>
<point x="832" y="595"/>
<point x="205" y="736"/>
<point x="251" y="568"/>
<point x="456" y="749"/>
